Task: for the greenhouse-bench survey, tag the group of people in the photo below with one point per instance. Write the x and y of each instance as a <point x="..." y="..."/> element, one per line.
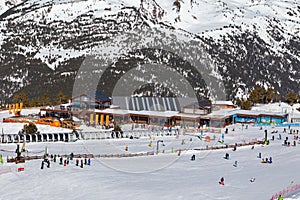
<point x="267" y="160"/>
<point x="64" y="162"/>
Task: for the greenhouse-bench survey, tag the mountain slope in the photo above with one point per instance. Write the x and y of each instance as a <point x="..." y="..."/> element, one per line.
<point x="43" y="42"/>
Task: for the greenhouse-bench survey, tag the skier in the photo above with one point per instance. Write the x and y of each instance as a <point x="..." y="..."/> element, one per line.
<point x="259" y="155"/>
<point x="61" y="161"/>
<point x="227" y="156"/>
<point x="252" y="180"/>
<point x="71" y="156"/>
<point x="193" y="157"/>
<point x="235" y="163"/>
<point x="222" y="181"/>
<point x="179" y="152"/>
<point x="280" y="197"/>
<point x="81" y="163"/>
<point x="89" y="161"/>
<point x="85" y="161"/>
<point x="77" y="162"/>
<point x="270" y="160"/>
<point x="54" y="159"/>
<point x="234" y="148"/>
<point x="42" y="166"/>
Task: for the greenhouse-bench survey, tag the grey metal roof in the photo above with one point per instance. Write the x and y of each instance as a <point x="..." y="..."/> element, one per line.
<point x="148" y="103"/>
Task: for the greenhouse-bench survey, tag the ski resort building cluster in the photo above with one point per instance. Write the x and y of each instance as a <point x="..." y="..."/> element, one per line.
<point x="104" y="111"/>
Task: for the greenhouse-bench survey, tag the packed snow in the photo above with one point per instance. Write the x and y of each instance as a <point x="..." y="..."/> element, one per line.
<point x="160" y="176"/>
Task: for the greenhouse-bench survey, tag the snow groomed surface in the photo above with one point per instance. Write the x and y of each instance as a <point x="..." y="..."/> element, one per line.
<point x="165" y="175"/>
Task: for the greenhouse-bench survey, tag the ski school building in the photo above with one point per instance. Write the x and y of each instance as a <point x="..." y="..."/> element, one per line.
<point x="171" y="118"/>
<point x="152" y="110"/>
<point x="165" y="111"/>
<point x="225" y="117"/>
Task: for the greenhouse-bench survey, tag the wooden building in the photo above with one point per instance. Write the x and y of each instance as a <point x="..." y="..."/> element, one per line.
<point x="90" y="101"/>
<point x="199" y="108"/>
<point x="219" y="105"/>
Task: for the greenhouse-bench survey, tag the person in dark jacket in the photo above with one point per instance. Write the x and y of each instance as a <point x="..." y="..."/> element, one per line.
<point x="222" y="181"/>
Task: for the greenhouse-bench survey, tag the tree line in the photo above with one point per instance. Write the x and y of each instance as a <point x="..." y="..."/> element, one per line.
<point x="264" y="96"/>
<point x="257" y="96"/>
<point x="43" y="100"/>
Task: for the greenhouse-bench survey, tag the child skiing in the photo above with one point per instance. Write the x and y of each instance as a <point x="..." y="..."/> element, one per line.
<point x="193" y="157"/>
<point x="235" y="163"/>
<point x="221" y="182"/>
<point x="226" y="156"/>
<point x="81" y="163"/>
<point x="252" y="180"/>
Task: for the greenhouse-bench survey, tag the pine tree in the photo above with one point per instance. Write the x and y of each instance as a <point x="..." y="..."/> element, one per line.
<point x="29" y="128"/>
<point x="246" y="105"/>
<point x="291" y="97"/>
<point x="21" y="97"/>
<point x="272" y="95"/>
<point x="257" y="95"/>
<point x="61" y="98"/>
<point x="45" y="99"/>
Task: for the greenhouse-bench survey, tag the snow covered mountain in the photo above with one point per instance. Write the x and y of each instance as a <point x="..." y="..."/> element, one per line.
<point x="249" y="42"/>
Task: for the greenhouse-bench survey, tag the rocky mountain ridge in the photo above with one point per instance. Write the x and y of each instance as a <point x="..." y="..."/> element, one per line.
<point x="249" y="43"/>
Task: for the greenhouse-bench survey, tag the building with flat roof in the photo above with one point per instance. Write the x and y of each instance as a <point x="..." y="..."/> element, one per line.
<point x="162" y="111"/>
